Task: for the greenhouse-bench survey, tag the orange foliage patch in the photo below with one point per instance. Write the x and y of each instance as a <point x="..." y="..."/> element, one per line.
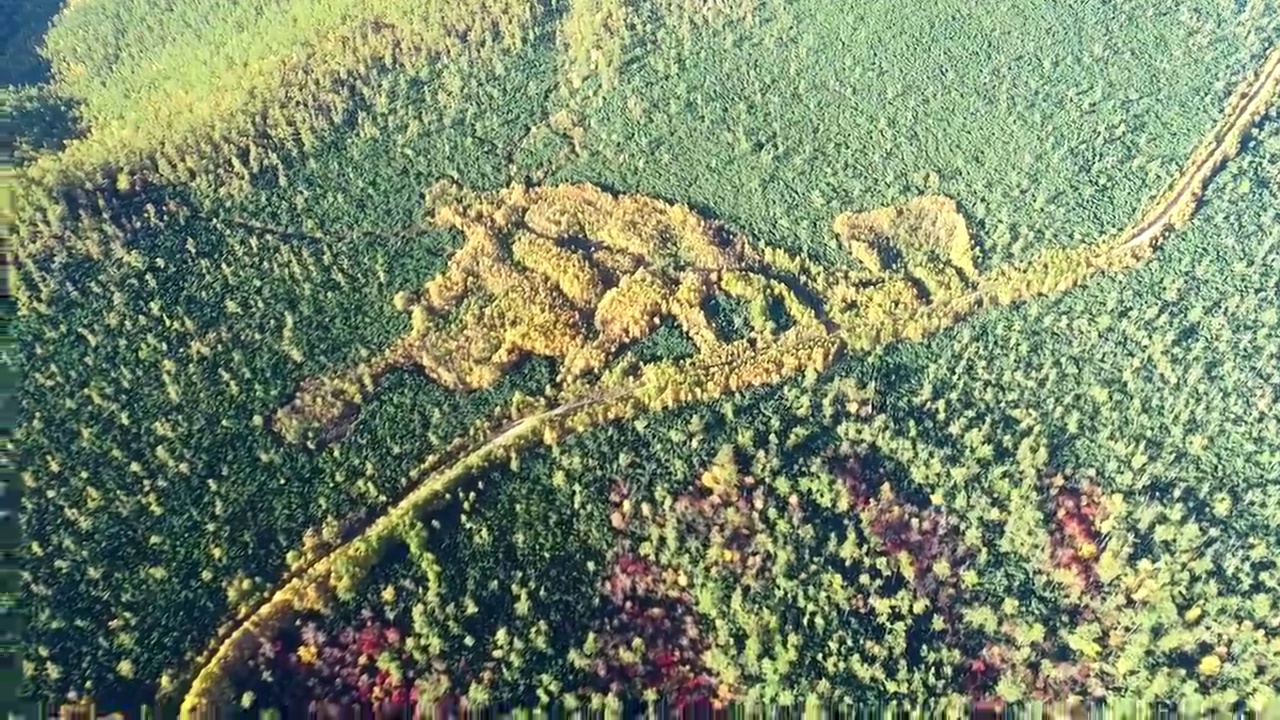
<point x="1074" y="516"/>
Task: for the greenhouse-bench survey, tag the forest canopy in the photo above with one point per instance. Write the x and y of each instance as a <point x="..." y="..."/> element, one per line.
<point x="505" y="353"/>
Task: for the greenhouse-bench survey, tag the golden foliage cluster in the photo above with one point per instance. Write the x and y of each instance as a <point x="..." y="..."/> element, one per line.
<point x="929" y="231"/>
<point x="576" y="274"/>
<point x="571" y="273"/>
<point x="912" y="254"/>
<point x="592" y="36"/>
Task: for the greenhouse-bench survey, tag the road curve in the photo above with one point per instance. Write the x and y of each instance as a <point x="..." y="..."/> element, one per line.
<point x="234" y="645"/>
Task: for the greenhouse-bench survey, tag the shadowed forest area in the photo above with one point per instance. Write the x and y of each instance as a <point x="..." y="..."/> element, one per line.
<point x="28" y="21"/>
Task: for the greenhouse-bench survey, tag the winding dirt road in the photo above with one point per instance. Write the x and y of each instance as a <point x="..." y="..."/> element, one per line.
<point x="1251" y="101"/>
<point x="1171" y="209"/>
<point x="236" y="644"/>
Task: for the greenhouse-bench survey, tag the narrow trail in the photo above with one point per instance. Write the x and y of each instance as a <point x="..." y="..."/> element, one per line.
<point x="1217" y="149"/>
<point x="232" y="644"/>
<point x="1171" y="209"/>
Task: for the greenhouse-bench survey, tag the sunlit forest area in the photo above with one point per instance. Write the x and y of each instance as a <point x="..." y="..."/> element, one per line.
<point x="388" y="358"/>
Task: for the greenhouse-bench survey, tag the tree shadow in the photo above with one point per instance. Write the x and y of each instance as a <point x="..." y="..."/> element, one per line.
<point x="39" y="120"/>
<point x="23" y="63"/>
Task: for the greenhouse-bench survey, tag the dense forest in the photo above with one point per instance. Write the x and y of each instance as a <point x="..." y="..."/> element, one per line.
<point x="616" y="353"/>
